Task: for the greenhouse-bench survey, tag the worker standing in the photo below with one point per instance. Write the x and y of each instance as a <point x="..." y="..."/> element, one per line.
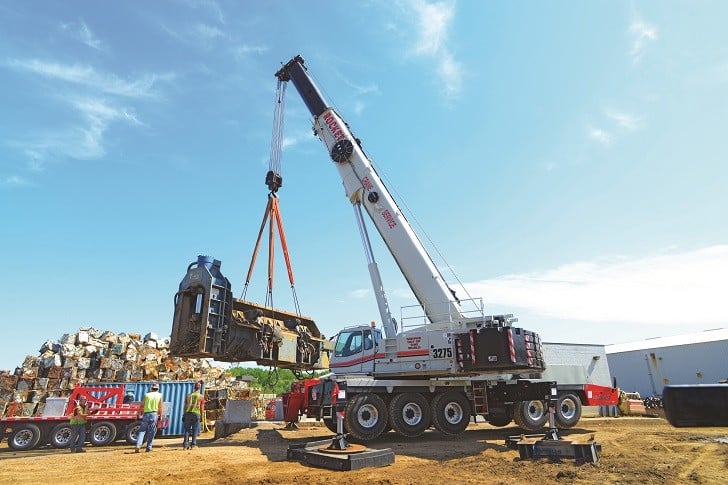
<point x="78" y="425"/>
<point x="194" y="404"/>
<point x="151" y="414"/>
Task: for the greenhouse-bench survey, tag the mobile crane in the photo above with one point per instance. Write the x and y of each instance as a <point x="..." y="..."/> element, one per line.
<point x="449" y="364"/>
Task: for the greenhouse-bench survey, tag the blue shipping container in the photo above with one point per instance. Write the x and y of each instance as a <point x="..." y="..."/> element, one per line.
<point x="173" y="393"/>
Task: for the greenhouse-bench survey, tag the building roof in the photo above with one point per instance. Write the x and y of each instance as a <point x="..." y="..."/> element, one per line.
<point x="712" y="335"/>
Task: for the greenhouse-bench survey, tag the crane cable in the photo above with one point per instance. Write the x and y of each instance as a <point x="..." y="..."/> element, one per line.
<point x="272" y="214"/>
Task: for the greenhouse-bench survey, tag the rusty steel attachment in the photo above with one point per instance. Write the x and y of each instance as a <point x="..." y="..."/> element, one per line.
<point x="210" y="323"/>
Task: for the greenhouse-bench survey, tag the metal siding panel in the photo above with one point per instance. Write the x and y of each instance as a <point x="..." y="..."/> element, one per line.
<point x="579" y="356"/>
<point x="175" y="393"/>
<point x="680" y="364"/>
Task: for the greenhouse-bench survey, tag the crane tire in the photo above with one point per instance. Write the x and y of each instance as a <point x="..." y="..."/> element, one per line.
<point x="60" y="436"/>
<point x="331" y="425"/>
<point x="499" y="420"/>
<point x="365" y="418"/>
<point x="410" y="414"/>
<point x="568" y="410"/>
<point x="24" y="437"/>
<point x="531" y="415"/>
<point x="451" y="412"/>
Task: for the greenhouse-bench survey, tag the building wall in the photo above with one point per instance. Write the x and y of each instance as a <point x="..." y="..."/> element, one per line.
<point x="648" y="370"/>
<point x="576" y="364"/>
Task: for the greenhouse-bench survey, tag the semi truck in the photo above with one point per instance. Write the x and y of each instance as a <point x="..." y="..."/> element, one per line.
<point x="445" y="362"/>
<point x="109" y="419"/>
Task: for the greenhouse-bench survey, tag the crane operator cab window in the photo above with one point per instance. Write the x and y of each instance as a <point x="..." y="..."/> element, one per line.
<point x="348" y="343"/>
<point x="352" y="342"/>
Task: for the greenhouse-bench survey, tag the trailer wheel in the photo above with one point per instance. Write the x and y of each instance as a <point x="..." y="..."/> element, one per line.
<point x="102" y="433"/>
<point x="24" y="437"/>
<point x="451" y="412"/>
<point x="531" y="415"/>
<point x="132" y="431"/>
<point x="410" y="414"/>
<point x="61" y="435"/>
<point x="568" y="410"/>
<point x="366" y="416"/>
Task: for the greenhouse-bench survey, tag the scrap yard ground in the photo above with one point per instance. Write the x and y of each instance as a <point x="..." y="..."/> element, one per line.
<point x="634" y="451"/>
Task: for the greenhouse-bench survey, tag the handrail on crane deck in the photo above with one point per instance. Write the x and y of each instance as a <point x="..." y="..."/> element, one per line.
<point x="472" y="311"/>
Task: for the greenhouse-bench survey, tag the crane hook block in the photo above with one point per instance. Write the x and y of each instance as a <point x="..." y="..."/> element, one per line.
<point x="273" y="180"/>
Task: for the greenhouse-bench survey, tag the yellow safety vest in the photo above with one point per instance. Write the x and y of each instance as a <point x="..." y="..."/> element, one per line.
<point x="193" y="402"/>
<point x="151" y="401"/>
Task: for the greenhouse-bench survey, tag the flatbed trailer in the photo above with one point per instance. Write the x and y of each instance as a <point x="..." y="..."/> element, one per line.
<point x="109" y="419"/>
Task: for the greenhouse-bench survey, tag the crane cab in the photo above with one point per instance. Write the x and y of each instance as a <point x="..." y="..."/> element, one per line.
<point x="355" y="350"/>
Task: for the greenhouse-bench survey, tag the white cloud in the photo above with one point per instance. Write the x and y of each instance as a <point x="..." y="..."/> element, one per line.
<point x="206" y="33"/>
<point x="14" y="181"/>
<point x="89" y="77"/>
<point x="625" y="120"/>
<point x="642" y="34"/>
<point x="83" y="140"/>
<point x="199" y="35"/>
<point x="358" y="107"/>
<point x="433" y="22"/>
<point x="209" y="5"/>
<point x="245" y="50"/>
<point x="81" y="32"/>
<point x="663" y="290"/>
<point x="360" y="293"/>
<point x="451" y="72"/>
<point x="603" y="137"/>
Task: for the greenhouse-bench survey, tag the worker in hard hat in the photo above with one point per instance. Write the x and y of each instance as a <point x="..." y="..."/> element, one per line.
<point x="194" y="406"/>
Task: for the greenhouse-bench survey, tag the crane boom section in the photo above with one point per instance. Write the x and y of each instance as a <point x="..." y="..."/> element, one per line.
<point x="362" y="185"/>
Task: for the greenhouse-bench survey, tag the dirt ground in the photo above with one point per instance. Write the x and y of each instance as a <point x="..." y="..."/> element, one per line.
<point x="634" y="450"/>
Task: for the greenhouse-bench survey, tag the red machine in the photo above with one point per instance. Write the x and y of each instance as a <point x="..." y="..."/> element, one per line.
<point x="108" y="419"/>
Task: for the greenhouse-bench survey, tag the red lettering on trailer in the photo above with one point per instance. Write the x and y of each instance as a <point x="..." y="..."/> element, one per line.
<point x="367" y="183"/>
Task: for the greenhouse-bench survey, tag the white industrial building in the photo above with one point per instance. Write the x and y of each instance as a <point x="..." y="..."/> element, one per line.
<point x="646" y="366"/>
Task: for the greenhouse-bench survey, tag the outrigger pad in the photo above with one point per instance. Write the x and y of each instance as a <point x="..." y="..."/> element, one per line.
<point x="314" y="453"/>
<point x="538" y="446"/>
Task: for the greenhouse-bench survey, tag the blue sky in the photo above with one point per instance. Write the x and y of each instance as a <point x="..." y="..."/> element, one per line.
<point x="565" y="159"/>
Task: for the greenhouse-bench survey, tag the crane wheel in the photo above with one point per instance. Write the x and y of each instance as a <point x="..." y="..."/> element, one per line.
<point x="410" y="414"/>
<point x="451" y="412"/>
<point x="531" y="415"/>
<point x="366" y="416"/>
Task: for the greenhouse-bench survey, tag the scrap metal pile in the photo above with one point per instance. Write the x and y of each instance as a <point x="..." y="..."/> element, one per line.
<point x="91" y="355"/>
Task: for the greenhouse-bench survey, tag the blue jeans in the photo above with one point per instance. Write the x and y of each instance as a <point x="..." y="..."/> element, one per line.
<point x="78" y="436"/>
<point x="148" y="428"/>
<point x="192" y="428"/>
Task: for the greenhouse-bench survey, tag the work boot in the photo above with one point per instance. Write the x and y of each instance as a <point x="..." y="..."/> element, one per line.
<point x="136" y="450"/>
<point x="80" y="450"/>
